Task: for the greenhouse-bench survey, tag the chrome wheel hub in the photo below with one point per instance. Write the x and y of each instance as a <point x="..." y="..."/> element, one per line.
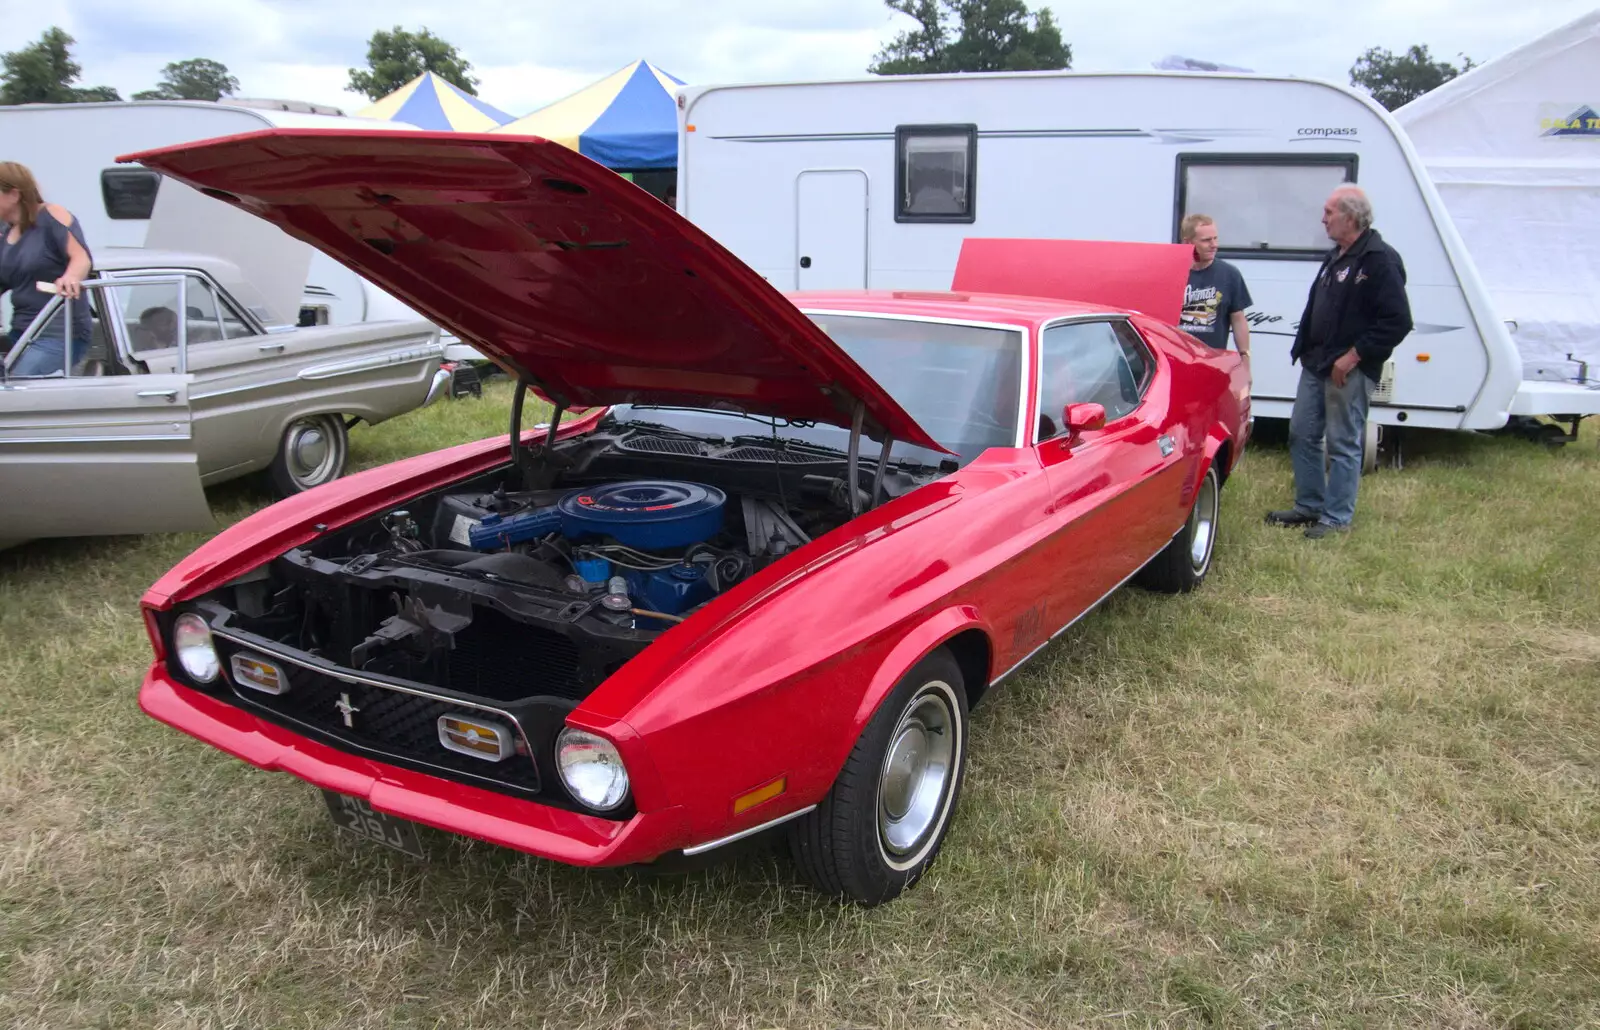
<point x="1203" y="525"/>
<point x="312" y="453"/>
<point x="914" y="784"/>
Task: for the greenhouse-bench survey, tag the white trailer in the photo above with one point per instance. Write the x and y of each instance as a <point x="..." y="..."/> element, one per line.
<point x="72" y="150"/>
<point x="875" y="183"/>
<point x="1513" y="147"/>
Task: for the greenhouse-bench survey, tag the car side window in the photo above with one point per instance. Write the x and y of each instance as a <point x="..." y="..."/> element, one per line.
<point x="1087" y="363"/>
<point x="204" y="320"/>
<point x="150" y="316"/>
<point x="1136" y="353"/>
<point x="150" y="312"/>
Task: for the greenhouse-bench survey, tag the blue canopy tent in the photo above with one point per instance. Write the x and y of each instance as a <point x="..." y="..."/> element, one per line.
<point x="627" y="121"/>
<point x="429" y="102"/>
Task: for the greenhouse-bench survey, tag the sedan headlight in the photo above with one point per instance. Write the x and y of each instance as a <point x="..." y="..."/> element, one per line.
<point x="592" y="769"/>
<point x="191" y="642"/>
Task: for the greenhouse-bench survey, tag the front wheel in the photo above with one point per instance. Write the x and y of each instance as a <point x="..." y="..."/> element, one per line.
<point x="881" y="825"/>
<point x="312" y="451"/>
<point x="1183" y="564"/>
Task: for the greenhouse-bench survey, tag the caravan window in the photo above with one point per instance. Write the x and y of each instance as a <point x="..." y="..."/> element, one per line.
<point x="1265" y="205"/>
<point x="935" y="168"/>
<point x="129" y="193"/>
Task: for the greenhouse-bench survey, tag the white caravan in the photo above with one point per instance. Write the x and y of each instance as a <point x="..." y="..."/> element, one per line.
<point x="72" y="151"/>
<point x="1513" y="147"/>
<point x="875" y="183"/>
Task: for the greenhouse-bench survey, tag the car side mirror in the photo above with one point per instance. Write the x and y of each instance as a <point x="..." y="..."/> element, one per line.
<point x="1080" y="418"/>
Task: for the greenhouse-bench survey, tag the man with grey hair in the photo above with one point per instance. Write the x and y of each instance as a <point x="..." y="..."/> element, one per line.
<point x="1355" y="316"/>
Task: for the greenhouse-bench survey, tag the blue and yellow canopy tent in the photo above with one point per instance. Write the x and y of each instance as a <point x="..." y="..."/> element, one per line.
<point x="627" y="121"/>
<point x="429" y="102"/>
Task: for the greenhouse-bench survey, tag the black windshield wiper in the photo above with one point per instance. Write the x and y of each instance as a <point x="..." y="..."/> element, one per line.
<point x="665" y="430"/>
<point x="788" y="443"/>
<point x="763" y="420"/>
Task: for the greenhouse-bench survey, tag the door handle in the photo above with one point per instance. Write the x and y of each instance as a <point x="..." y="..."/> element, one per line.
<point x="805" y="262"/>
<point x="1166" y="444"/>
<point x="170" y="395"/>
<point x="267" y="348"/>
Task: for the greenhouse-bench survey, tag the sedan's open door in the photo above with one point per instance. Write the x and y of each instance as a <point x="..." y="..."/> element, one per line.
<point x="97" y="447"/>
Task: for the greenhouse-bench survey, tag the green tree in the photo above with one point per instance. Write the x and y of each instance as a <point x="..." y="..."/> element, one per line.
<point x="395" y="58"/>
<point x="44" y="73"/>
<point x="973" y="36"/>
<point x="1395" y="80"/>
<point x="194" y="79"/>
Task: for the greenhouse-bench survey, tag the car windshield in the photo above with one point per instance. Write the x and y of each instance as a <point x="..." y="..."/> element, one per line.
<point x="962" y="383"/>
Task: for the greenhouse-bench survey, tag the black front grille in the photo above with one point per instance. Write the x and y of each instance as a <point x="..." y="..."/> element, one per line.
<point x="385" y="721"/>
<point x="504" y="660"/>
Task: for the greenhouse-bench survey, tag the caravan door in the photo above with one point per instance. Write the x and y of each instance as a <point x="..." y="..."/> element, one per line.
<point x="831" y="229"/>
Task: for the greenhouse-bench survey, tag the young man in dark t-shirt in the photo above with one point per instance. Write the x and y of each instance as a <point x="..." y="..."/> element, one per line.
<point x="1216" y="297"/>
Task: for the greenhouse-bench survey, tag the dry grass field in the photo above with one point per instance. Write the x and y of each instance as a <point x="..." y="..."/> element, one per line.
<point x="1352" y="783"/>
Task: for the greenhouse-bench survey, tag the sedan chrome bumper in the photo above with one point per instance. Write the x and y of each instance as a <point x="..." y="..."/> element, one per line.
<point x="439" y="387"/>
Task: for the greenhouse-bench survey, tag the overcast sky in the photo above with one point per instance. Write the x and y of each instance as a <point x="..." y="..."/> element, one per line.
<point x="530" y="52"/>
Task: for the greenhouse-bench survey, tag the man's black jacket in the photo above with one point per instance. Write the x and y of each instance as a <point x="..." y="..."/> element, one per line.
<point x="1373" y="313"/>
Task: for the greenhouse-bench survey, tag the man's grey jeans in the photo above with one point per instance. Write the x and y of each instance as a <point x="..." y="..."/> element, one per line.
<point x="1337" y="414"/>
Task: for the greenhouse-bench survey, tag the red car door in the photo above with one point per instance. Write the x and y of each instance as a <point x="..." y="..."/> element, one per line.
<point x="1112" y="489"/>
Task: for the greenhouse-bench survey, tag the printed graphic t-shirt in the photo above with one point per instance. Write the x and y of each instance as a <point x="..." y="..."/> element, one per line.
<point x="1214" y="293"/>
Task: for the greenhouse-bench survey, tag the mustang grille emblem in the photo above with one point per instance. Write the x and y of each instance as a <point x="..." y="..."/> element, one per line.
<point x="346" y="709"/>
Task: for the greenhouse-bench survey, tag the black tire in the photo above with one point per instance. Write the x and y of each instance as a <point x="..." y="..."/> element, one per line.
<point x="1182" y="565"/>
<point x="313" y="450"/>
<point x="853" y="845"/>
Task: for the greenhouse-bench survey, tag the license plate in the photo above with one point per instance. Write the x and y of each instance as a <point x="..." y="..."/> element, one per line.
<point x="361" y="819"/>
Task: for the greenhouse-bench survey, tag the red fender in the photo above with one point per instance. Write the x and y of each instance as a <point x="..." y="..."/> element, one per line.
<point x="913" y="648"/>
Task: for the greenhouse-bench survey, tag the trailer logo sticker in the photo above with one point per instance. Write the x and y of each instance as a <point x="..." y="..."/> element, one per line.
<point x="1346" y="134"/>
<point x="1582" y="122"/>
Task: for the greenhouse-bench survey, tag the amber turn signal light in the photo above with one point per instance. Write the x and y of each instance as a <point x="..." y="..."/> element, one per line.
<point x="744" y="802"/>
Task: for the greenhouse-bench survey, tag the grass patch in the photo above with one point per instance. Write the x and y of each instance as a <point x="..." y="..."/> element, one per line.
<point x="1351" y="783"/>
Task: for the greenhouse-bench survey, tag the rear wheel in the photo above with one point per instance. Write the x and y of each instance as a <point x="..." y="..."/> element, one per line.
<point x="313" y="451"/>
<point x="881" y="825"/>
<point x="1183" y="564"/>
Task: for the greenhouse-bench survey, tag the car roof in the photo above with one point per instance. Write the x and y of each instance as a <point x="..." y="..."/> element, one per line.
<point x="949" y="304"/>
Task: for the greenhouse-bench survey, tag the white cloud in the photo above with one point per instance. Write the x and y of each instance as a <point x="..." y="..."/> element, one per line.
<point x="530" y="53"/>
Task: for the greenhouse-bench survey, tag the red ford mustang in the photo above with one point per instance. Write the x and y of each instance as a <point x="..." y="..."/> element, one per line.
<point x="761" y="583"/>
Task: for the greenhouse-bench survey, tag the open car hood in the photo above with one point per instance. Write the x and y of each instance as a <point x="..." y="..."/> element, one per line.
<point x="566" y="273"/>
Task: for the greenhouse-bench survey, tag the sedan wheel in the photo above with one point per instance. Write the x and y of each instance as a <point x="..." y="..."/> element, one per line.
<point x="313" y="451"/>
<point x="881" y="825"/>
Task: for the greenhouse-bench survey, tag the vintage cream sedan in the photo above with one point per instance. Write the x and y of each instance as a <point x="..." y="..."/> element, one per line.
<point x="187" y="380"/>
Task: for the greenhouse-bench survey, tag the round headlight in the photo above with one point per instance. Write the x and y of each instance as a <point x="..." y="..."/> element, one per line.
<point x="592" y="769"/>
<point x="191" y="642"/>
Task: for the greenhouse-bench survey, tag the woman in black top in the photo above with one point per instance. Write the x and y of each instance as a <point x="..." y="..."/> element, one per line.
<point x="43" y="244"/>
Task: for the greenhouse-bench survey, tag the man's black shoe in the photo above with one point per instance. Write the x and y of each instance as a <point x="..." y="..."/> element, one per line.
<point x="1322" y="529"/>
<point x="1289" y="518"/>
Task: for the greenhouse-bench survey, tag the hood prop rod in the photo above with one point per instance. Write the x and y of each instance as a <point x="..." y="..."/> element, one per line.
<point x="854" y="466"/>
<point x="883" y="460"/>
<point x="518" y="454"/>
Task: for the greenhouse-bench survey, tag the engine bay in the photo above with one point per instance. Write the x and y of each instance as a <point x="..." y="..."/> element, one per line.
<point x="542" y="578"/>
